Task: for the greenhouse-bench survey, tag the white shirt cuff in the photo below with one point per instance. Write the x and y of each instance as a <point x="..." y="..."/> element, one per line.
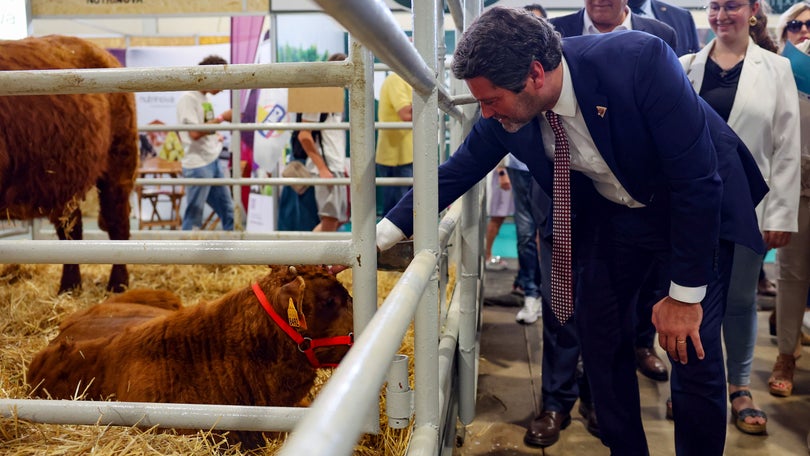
<point x="687" y="294"/>
<point x="388" y="234"/>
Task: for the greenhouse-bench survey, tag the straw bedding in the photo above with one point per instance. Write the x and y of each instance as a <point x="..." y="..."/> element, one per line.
<point x="30" y="312"/>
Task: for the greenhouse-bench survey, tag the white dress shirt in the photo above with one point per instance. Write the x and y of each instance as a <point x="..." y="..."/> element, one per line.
<point x="584" y="155"/>
<point x="590" y="29"/>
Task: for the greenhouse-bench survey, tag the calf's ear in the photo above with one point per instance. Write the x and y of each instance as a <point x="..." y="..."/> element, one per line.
<point x="291" y="298"/>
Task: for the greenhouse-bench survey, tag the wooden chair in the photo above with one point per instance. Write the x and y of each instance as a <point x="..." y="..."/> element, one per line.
<point x="153" y="195"/>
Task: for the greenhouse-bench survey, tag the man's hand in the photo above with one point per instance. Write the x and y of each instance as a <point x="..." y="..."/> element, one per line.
<point x="677" y="321"/>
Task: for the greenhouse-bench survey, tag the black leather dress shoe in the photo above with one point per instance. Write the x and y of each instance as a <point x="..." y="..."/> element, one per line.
<point x="587" y="411"/>
<point x="651" y="365"/>
<point x="545" y="429"/>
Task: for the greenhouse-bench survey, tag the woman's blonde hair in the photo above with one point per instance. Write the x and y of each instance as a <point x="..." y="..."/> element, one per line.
<point x="790" y="14"/>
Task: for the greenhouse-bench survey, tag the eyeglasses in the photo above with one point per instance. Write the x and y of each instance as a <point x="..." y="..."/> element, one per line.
<point x="796" y="26"/>
<point x="731" y="8"/>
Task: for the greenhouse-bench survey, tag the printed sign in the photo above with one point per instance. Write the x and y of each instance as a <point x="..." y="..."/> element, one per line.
<point x="41" y="8"/>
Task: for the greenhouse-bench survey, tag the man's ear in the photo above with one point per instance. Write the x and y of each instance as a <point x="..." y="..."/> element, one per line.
<point x="536" y="74"/>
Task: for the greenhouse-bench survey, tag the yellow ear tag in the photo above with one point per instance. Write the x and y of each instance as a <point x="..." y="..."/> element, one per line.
<point x="292" y="315"/>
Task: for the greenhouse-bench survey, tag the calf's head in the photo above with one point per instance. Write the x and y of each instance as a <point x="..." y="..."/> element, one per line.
<point x="314" y="309"/>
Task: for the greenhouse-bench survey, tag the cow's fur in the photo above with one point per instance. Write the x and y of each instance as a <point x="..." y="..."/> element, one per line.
<point x="140" y="347"/>
<point x="55" y="148"/>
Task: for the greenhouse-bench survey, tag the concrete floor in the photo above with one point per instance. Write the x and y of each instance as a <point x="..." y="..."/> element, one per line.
<point x="509" y="392"/>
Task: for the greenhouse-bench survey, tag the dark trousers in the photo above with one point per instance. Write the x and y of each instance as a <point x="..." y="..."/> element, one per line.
<point x="616" y="250"/>
<point x="655" y="287"/>
<point x="561" y="386"/>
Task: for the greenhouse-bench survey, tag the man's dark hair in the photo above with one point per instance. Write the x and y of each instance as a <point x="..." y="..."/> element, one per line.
<point x="532" y="7"/>
<point x="213" y="60"/>
<point x="501" y="45"/>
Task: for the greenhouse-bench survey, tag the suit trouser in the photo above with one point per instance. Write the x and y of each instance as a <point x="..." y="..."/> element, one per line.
<point x="561" y="386"/>
<point x="616" y="248"/>
<point x="655" y="288"/>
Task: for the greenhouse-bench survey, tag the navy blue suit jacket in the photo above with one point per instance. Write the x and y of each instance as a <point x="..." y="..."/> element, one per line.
<point x="662" y="142"/>
<point x="681" y="20"/>
<point x="571" y="25"/>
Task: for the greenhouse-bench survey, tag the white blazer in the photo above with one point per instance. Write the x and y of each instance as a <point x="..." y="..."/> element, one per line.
<point x="765" y="115"/>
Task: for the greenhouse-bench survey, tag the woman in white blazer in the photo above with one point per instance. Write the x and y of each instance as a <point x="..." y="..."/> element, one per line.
<point x="754" y="90"/>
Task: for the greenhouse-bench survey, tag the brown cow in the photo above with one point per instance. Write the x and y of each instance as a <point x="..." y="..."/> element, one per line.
<point x="55" y="148"/>
<point x="138" y="347"/>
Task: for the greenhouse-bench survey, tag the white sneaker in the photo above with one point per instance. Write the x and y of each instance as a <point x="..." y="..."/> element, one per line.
<point x="495" y="264"/>
<point x="531" y="311"/>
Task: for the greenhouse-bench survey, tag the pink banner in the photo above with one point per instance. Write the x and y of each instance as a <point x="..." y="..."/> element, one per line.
<point x="245" y="36"/>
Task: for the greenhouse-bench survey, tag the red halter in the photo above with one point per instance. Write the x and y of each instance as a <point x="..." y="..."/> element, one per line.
<point x="305" y="344"/>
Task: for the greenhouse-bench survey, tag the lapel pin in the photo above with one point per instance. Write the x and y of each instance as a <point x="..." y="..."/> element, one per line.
<point x="601" y="110"/>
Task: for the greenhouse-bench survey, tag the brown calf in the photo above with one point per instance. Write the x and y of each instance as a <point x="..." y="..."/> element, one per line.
<point x="229" y="351"/>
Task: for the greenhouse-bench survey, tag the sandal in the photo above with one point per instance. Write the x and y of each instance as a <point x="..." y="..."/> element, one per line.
<point x="739" y="417"/>
<point x="781" y="381"/>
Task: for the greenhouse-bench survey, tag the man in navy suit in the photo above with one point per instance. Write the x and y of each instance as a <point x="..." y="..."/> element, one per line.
<point x="609" y="16"/>
<point x="656" y="176"/>
<point x="674" y="16"/>
<point x="561" y="385"/>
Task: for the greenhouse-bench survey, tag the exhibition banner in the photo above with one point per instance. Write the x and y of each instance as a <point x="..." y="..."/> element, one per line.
<point x="44" y="8"/>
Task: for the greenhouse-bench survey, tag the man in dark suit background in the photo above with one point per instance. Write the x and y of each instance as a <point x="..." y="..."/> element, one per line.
<point x="676" y="17"/>
<point x="656" y="176"/>
<point x="608" y="16"/>
<point x="561" y="383"/>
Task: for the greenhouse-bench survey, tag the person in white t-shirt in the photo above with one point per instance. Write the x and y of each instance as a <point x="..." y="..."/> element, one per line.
<point x="200" y="159"/>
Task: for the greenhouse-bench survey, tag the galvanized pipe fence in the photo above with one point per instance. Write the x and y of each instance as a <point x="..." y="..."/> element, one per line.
<point x="345" y="408"/>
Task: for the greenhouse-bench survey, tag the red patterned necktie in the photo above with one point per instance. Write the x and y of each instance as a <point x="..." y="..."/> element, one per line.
<point x="562" y="296"/>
